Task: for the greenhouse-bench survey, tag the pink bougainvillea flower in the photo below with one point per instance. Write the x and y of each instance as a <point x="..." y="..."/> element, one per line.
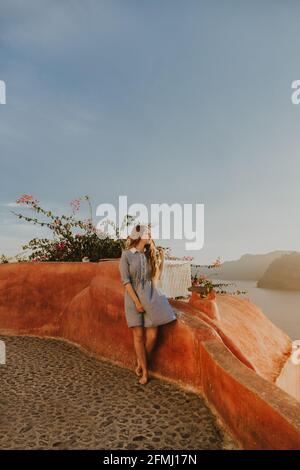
<point x="75" y="204"/>
<point x="61" y="245"/>
<point x="25" y="198"/>
<point x="78" y="235"/>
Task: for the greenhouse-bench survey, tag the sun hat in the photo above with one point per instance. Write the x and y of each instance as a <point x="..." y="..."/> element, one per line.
<point x="139" y="231"/>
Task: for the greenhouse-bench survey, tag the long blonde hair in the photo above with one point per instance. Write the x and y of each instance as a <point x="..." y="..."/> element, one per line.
<point x="150" y="252"/>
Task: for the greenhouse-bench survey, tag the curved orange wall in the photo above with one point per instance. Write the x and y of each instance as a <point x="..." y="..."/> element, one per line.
<point x="84" y="303"/>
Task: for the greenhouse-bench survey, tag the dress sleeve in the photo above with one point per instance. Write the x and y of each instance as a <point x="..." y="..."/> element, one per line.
<point x="124" y="268"/>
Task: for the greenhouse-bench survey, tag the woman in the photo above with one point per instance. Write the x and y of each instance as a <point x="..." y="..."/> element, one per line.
<point x="145" y="305"/>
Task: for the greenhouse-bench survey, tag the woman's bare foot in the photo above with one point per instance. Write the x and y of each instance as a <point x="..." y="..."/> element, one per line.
<point x="138" y="371"/>
<point x="144" y="379"/>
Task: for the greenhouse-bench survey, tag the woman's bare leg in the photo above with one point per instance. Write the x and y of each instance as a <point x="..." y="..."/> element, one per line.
<point x="138" y="369"/>
<point x="151" y="336"/>
<point x="140" y="350"/>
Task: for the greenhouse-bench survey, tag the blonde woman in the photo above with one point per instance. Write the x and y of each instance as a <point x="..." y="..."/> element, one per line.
<point x="146" y="306"/>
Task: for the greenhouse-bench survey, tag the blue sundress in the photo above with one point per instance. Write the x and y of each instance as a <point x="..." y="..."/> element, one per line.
<point x="134" y="268"/>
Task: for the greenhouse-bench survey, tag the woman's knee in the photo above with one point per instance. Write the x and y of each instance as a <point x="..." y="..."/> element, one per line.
<point x="138" y="333"/>
<point x="152" y="332"/>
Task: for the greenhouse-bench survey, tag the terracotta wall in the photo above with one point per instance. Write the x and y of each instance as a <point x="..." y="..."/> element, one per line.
<point x="246" y="331"/>
<point x="260" y="414"/>
<point x="83" y="303"/>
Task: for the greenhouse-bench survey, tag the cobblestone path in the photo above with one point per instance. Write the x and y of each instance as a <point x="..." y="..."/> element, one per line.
<point x="54" y="396"/>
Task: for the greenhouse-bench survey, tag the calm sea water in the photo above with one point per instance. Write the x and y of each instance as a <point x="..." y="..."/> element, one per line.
<point x="280" y="306"/>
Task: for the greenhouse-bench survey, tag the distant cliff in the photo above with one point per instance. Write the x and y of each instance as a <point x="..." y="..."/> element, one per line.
<point x="283" y="273"/>
<point x="248" y="268"/>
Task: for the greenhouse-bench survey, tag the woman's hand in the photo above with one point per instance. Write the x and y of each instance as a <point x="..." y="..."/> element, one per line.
<point x="161" y="252"/>
<point x="139" y="307"/>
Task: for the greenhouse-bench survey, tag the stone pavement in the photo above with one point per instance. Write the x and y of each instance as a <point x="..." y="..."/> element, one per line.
<point x="54" y="396"/>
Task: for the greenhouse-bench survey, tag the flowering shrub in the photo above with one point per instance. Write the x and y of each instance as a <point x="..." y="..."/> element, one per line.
<point x="169" y="256"/>
<point x="73" y="239"/>
<point x="206" y="285"/>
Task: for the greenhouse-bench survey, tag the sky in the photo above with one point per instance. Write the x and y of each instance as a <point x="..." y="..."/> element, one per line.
<point x="164" y="101"/>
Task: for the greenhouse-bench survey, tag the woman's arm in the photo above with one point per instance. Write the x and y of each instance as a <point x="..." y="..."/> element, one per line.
<point x="134" y="297"/>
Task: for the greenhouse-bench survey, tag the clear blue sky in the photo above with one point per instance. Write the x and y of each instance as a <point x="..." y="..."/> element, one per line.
<point x="160" y="100"/>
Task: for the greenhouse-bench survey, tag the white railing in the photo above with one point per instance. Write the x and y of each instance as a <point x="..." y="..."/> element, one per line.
<point x="176" y="278"/>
